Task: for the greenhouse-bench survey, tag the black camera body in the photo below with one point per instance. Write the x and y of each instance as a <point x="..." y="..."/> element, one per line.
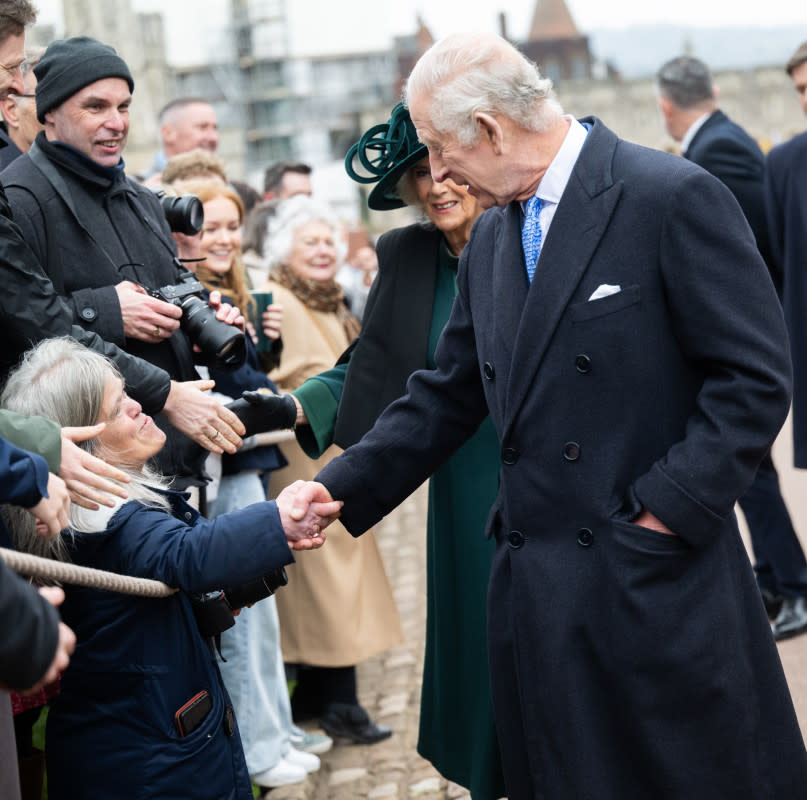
<point x="214" y="610"/>
<point x="222" y="345"/>
<point x="246" y="594"/>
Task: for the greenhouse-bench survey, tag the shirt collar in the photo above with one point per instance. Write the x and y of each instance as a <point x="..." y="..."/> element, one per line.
<point x="557" y="175"/>
<point x="692" y="130"/>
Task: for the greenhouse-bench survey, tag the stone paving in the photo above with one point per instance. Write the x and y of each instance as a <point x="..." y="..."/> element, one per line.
<point x="389" y="688"/>
<point x="389" y="685"/>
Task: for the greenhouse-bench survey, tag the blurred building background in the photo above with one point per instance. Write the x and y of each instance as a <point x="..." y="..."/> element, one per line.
<point x="273" y="104"/>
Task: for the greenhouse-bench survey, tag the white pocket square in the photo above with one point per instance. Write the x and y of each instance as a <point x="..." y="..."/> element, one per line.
<point x="604" y="290"/>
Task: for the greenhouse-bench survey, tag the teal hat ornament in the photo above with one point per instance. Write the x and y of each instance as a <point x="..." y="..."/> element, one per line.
<point x="386" y="152"/>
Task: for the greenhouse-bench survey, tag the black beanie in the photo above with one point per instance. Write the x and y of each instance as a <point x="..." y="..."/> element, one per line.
<point x="71" y="64"/>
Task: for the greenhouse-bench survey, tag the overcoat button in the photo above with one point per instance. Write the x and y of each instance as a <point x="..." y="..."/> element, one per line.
<point x="571" y="451"/>
<point x="188" y="516"/>
<point x="585" y="538"/>
<point x="490" y="373"/>
<point x="510" y="456"/>
<point x="88" y="314"/>
<point x="515" y="539"/>
<point x="583" y="363"/>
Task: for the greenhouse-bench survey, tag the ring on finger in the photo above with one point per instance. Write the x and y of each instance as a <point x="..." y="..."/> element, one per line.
<point x="215" y="435"/>
<point x="156" y="331"/>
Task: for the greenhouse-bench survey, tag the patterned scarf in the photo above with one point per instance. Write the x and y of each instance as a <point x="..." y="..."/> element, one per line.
<point x="318" y="296"/>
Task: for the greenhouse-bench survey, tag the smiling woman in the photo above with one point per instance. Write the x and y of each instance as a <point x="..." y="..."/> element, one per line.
<point x="142" y="704"/>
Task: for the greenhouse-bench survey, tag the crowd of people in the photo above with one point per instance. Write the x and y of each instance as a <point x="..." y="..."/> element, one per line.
<point x="196" y="391"/>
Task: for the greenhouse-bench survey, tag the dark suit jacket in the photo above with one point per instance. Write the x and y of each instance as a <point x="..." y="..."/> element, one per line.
<point x="723" y="148"/>
<point x="786" y="205"/>
<point x="620" y="657"/>
<point x="395" y="330"/>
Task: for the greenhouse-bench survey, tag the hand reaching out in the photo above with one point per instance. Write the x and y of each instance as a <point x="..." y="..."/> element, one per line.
<point x="305" y="510"/>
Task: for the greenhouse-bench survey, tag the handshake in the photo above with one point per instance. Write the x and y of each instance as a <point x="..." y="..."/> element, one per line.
<point x="306" y="509"/>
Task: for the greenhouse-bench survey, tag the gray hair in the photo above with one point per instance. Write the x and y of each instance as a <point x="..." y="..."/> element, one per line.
<point x="405" y="189"/>
<point x="32" y="56"/>
<point x="467" y="73"/>
<point x="291" y="215"/>
<point x="63" y="381"/>
<point x="686" y="81"/>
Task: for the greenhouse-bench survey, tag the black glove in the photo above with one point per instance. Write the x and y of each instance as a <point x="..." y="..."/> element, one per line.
<point x="262" y="412"/>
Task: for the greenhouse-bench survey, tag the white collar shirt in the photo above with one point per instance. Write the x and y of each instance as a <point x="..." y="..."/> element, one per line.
<point x="692" y="130"/>
<point x="557" y="175"/>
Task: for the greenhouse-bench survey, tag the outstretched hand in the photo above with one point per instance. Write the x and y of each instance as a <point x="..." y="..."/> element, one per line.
<point x="306" y="508"/>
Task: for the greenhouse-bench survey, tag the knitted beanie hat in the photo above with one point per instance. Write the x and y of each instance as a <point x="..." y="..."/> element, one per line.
<point x="71" y="64"/>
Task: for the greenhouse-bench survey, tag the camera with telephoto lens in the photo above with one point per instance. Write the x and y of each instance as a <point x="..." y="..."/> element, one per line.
<point x="184" y="214"/>
<point x="222" y="345"/>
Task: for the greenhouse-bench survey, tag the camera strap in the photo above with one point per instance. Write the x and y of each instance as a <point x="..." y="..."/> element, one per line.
<point x="51" y="174"/>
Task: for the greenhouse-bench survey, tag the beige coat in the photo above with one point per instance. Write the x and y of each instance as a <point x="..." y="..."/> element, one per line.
<point x="337" y="609"/>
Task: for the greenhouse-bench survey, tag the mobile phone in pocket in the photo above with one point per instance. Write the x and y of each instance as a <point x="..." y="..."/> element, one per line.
<point x="192" y="714"/>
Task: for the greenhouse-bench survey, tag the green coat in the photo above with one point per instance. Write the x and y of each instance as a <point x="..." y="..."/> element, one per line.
<point x="35" y="434"/>
<point x="457" y="732"/>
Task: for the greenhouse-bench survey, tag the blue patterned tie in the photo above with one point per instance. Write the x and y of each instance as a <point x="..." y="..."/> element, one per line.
<point x="531" y="234"/>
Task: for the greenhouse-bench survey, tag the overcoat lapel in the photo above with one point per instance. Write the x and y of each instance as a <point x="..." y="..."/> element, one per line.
<point x="579" y="223"/>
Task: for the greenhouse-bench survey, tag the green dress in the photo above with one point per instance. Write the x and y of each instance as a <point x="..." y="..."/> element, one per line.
<point x="457" y="732"/>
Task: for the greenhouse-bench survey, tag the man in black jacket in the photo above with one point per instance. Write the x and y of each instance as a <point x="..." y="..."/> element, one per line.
<point x="103" y="239"/>
<point x="31" y="310"/>
<point x="708" y="137"/>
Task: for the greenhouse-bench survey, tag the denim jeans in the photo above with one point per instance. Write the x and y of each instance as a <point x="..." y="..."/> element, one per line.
<point x="253" y="672"/>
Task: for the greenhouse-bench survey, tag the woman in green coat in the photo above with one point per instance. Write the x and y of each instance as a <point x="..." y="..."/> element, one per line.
<point x="406" y="311"/>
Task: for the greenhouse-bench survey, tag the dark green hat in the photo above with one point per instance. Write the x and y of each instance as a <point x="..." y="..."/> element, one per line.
<point x="386" y="151"/>
<point x="69" y="65"/>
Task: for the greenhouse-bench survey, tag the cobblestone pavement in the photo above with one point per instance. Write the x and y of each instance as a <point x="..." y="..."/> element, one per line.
<point x="389" y="685"/>
<point x="389" y="688"/>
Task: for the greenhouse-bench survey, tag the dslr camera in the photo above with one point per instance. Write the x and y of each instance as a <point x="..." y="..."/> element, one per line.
<point x="221" y="344"/>
<point x="214" y="610"/>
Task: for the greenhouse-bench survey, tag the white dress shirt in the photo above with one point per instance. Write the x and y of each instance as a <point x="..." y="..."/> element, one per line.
<point x="557" y="175"/>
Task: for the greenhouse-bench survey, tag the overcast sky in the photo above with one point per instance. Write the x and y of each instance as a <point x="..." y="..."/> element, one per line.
<point x="334" y="26"/>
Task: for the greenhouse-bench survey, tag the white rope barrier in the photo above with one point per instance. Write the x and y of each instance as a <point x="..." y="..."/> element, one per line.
<point x="37" y="567"/>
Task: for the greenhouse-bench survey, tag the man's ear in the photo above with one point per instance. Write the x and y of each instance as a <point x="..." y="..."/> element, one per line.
<point x="10" y="111"/>
<point x="167" y="133"/>
<point x="491" y="130"/>
<point x="666" y="106"/>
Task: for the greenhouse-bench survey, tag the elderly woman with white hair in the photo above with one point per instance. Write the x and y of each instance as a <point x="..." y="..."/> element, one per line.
<point x="338" y="609"/>
<point x="142" y="705"/>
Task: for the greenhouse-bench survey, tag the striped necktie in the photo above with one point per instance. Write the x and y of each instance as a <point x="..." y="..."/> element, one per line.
<point x="531" y="234"/>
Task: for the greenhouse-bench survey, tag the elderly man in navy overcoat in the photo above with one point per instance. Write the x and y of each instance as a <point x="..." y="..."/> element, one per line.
<point x="615" y="319"/>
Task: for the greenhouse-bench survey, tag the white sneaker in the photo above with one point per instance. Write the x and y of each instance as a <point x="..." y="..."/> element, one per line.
<point x="309" y="741"/>
<point x="282" y="774"/>
<point x="308" y="761"/>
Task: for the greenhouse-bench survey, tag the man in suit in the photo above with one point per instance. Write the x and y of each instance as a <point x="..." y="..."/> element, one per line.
<point x="634" y="389"/>
<point x="785" y="192"/>
<point x="688" y="103"/>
